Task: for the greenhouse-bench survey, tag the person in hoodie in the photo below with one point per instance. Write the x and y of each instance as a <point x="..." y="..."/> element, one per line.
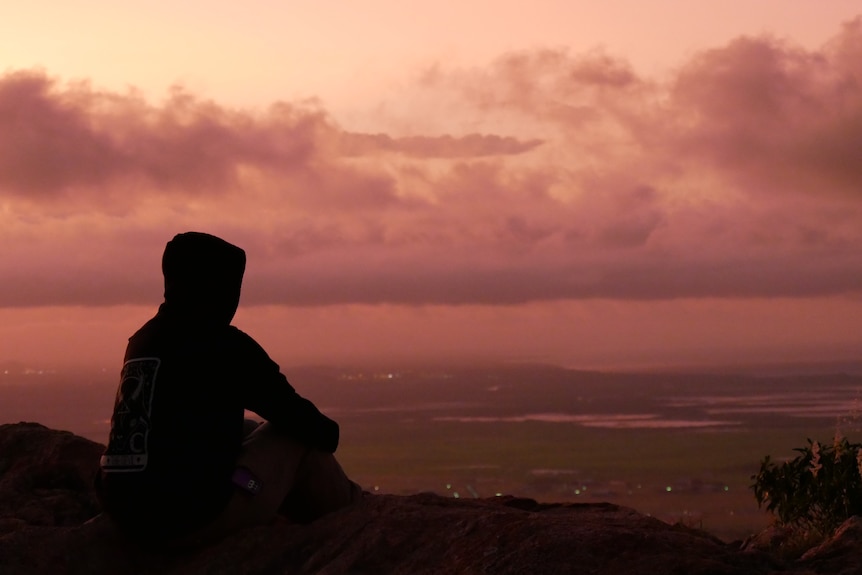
<point x="183" y="465"/>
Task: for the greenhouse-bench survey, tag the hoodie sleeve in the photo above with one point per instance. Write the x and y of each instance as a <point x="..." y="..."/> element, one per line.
<point x="267" y="392"/>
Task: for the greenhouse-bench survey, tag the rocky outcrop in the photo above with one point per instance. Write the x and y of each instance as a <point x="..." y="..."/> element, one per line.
<point x="49" y="523"/>
<point x="46" y="476"/>
<point x="840" y="554"/>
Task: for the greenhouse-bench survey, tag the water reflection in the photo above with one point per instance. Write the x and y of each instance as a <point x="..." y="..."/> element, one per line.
<point x="607" y="420"/>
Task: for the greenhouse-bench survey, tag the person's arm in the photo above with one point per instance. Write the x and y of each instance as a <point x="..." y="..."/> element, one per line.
<point x="267" y="393"/>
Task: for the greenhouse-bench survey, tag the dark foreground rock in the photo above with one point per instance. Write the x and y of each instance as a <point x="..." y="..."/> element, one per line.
<point x="46" y="476"/>
<point x="49" y="523"/>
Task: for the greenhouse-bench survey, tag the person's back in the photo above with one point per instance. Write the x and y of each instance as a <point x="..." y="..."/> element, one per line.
<point x="177" y="432"/>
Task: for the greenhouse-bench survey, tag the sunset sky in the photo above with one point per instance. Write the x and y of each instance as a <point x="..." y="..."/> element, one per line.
<point x="594" y="184"/>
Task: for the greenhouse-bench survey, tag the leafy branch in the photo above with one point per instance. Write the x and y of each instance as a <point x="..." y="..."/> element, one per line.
<point x="817" y="490"/>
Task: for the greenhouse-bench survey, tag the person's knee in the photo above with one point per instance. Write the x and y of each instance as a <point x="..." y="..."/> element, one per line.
<point x="321" y="487"/>
<point x="271" y="455"/>
<point x="249" y="426"/>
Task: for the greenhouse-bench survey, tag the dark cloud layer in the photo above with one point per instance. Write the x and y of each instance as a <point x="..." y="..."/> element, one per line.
<point x="740" y="176"/>
<point x="470" y="146"/>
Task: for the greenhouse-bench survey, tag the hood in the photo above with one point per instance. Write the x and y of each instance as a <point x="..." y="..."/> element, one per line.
<point x="203" y="277"/>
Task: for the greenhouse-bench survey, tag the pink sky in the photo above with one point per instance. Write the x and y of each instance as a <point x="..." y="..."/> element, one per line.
<point x="592" y="186"/>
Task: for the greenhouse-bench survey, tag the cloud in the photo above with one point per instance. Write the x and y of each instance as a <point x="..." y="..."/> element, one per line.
<point x="47" y="143"/>
<point x="544" y="176"/>
<point x="55" y="138"/>
<point x="774" y="118"/>
<point x="470" y="146"/>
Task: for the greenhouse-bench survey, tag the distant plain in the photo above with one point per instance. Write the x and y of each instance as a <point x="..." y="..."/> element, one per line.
<point x="679" y="446"/>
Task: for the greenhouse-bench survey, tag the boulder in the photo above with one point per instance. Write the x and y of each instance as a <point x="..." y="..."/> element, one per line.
<point x="46" y="476"/>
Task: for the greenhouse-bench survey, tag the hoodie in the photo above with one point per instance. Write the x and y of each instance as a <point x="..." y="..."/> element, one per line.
<point x="187" y="378"/>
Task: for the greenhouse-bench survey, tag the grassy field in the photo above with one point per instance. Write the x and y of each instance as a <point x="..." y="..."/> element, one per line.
<point x="701" y="478"/>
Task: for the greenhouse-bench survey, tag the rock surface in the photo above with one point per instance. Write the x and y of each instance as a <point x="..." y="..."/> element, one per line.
<point x="46" y="476"/>
<point x="50" y="523"/>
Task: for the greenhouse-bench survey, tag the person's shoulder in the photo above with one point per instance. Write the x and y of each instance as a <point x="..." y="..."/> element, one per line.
<point x="152" y="323"/>
<point x="235" y="332"/>
<point x="241" y="338"/>
<point x="249" y="350"/>
<point x="152" y="329"/>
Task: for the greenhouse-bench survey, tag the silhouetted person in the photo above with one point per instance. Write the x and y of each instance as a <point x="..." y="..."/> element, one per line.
<point x="182" y="464"/>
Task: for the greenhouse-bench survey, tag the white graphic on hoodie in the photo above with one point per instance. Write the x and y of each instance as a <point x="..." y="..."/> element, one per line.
<point x="130" y="426"/>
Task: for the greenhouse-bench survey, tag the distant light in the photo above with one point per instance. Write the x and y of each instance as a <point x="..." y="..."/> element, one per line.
<point x="498" y="494"/>
<point x="726" y="488"/>
<point x="577" y="491"/>
<point x="448" y="486"/>
<point x="455" y="495"/>
<point x="376" y="488"/>
<point x="668" y="489"/>
<point x="390" y="376"/>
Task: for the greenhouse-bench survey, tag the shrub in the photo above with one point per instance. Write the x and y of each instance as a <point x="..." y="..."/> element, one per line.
<point x="817" y="490"/>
